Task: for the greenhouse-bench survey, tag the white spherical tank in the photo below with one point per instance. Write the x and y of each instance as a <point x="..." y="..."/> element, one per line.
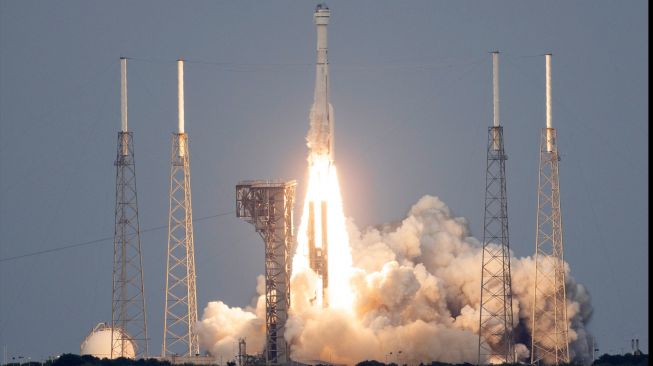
<point x="98" y="343"/>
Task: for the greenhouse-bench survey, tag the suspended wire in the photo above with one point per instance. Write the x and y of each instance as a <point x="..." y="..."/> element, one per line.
<point x="623" y="152"/>
<point x="99" y="240"/>
<point x="205" y="62"/>
<point x="229" y="66"/>
<point x="514" y="56"/>
<point x="197" y="61"/>
<point x="253" y="67"/>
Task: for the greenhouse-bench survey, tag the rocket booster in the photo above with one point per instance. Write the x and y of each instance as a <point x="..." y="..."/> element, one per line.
<point x="320" y="136"/>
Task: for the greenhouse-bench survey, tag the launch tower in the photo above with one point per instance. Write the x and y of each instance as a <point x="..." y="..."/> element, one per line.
<point x="495" y="342"/>
<point x="269" y="207"/>
<point x="550" y="343"/>
<point x="128" y="320"/>
<point x="179" y="336"/>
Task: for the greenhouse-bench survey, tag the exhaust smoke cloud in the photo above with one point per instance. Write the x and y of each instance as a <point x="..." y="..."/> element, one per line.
<point x="416" y="289"/>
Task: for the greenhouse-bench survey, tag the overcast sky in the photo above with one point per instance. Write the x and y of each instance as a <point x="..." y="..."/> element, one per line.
<point x="411" y="90"/>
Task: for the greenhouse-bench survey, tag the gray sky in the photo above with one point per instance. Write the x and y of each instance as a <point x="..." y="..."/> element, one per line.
<point x="411" y="89"/>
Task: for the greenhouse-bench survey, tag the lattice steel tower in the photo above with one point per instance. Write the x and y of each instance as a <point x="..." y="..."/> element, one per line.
<point x="269" y="207"/>
<point x="495" y="338"/>
<point x="128" y="317"/>
<point x="179" y="336"/>
<point x="550" y="342"/>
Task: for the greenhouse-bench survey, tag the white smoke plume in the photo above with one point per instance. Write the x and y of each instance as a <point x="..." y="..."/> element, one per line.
<point x="222" y="326"/>
<point x="417" y="291"/>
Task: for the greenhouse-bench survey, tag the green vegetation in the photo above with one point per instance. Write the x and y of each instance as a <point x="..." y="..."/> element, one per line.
<point x="622" y="360"/>
<point x="86" y="360"/>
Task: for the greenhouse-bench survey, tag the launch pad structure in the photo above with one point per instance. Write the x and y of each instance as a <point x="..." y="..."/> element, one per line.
<point x="550" y="345"/>
<point x="128" y="317"/>
<point x="495" y="343"/>
<point x="269" y="207"/>
<point x="179" y="335"/>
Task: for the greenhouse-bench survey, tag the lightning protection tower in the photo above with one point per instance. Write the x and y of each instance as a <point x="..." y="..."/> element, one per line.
<point x="179" y="336"/>
<point x="550" y="343"/>
<point x="495" y="338"/>
<point x="128" y="320"/>
<point x="269" y="207"/>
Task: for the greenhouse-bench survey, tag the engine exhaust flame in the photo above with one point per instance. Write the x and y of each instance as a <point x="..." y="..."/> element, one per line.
<point x="323" y="231"/>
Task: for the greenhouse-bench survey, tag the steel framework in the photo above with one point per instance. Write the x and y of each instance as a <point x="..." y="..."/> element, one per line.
<point x="550" y="342"/>
<point x="128" y="317"/>
<point x="179" y="336"/>
<point x="495" y="342"/>
<point x="269" y="207"/>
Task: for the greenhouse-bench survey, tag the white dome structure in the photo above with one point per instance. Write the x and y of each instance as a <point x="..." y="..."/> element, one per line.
<point x="98" y="343"/>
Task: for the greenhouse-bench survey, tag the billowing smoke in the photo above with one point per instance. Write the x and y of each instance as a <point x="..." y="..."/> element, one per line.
<point x="416" y="287"/>
<point x="222" y="326"/>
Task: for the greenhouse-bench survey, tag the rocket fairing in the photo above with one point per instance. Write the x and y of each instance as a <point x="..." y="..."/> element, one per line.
<point x="320" y="135"/>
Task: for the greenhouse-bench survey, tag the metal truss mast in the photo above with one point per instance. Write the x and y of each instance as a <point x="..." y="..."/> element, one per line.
<point x="496" y="344"/>
<point x="128" y="319"/>
<point x="550" y="342"/>
<point x="269" y="207"/>
<point x="179" y="336"/>
<point x="495" y="336"/>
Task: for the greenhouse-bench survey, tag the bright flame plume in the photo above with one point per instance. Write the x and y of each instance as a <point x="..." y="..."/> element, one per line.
<point x="323" y="186"/>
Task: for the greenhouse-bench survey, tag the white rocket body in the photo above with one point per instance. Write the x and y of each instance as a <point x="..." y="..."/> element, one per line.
<point x="320" y="138"/>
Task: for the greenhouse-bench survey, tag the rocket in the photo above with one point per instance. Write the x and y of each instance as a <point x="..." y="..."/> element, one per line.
<point x="320" y="144"/>
<point x="320" y="135"/>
